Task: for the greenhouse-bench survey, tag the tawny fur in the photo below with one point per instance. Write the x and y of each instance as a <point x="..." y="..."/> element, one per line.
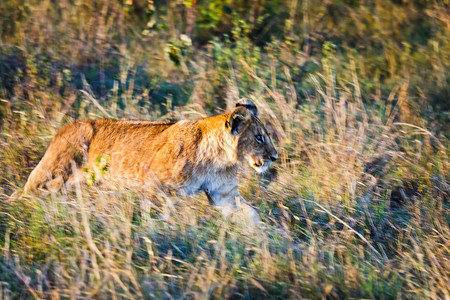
<point x="185" y="156"/>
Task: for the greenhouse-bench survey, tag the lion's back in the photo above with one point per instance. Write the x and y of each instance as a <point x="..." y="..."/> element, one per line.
<point x="82" y="142"/>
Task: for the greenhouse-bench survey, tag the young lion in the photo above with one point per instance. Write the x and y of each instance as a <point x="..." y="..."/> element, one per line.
<point x="185" y="156"/>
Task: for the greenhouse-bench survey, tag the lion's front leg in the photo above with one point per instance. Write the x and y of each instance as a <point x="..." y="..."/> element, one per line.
<point x="231" y="204"/>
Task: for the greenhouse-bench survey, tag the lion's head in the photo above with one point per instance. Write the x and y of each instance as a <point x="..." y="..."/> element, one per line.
<point x="254" y="144"/>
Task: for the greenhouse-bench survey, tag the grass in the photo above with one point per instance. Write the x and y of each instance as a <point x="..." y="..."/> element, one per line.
<point x="355" y="207"/>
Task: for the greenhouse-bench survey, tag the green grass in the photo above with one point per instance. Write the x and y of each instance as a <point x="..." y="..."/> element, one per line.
<point x="355" y="207"/>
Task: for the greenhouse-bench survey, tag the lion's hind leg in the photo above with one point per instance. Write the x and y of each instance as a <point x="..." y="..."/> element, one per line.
<point x="70" y="145"/>
<point x="40" y="177"/>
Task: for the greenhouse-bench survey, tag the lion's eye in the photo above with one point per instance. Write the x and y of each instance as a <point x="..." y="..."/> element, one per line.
<point x="260" y="139"/>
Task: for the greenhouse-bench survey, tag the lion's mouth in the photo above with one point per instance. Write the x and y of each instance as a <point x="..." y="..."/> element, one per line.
<point x="258" y="164"/>
<point x="261" y="165"/>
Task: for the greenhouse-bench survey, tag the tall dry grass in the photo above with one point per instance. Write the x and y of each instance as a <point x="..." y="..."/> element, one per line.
<point x="355" y="207"/>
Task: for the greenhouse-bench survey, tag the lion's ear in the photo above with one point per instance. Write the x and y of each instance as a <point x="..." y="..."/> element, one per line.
<point x="248" y="104"/>
<point x="239" y="117"/>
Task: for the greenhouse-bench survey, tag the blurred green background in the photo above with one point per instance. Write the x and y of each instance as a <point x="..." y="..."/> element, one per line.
<point x="155" y="49"/>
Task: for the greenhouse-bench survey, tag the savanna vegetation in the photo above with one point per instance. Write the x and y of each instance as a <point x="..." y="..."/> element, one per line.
<point x="354" y="92"/>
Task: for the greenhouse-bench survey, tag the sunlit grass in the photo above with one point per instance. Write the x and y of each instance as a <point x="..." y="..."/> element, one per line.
<point x="355" y="207"/>
<point x="331" y="224"/>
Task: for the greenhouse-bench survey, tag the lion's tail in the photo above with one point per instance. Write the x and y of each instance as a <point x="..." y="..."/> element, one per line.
<point x="71" y="143"/>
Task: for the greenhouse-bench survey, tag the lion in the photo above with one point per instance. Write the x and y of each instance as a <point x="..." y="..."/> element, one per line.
<point x="185" y="156"/>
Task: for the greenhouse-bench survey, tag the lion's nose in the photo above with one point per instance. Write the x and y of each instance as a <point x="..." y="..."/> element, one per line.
<point x="273" y="157"/>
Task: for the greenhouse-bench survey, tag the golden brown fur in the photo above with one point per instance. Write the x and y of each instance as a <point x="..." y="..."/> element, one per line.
<point x="185" y="156"/>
